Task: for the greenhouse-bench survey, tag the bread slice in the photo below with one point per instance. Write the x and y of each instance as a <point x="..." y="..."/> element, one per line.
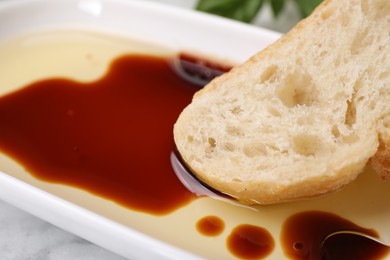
<point x="302" y="117"/>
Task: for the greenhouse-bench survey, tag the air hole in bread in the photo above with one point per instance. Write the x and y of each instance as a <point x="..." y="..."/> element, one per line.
<point x="236" y="180"/>
<point x="337" y="61"/>
<point x="358" y="84"/>
<point x="335" y="132"/>
<point x="233" y="130"/>
<point x="360" y="99"/>
<point x="326" y="13"/>
<point x="386" y="122"/>
<point x="383" y="92"/>
<point x="350" y="114"/>
<point x="273" y="147"/>
<point x="361" y="41"/>
<point x="208" y="151"/>
<point x="323" y="54"/>
<point x="350" y="139"/>
<point x="274" y="111"/>
<point x="364" y="6"/>
<point x="236" y="160"/>
<point x="212" y="142"/>
<point x="236" y="110"/>
<point x="228" y="147"/>
<point x="197" y="160"/>
<point x="307" y="145"/>
<point x="297" y="89"/>
<point x="269" y="74"/>
<point x="345" y="20"/>
<point x="384" y="75"/>
<point x="254" y="150"/>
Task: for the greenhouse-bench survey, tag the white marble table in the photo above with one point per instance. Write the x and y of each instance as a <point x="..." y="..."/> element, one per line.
<point x="25" y="237"/>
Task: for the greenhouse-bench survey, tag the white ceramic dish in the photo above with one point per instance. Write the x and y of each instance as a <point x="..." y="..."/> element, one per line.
<point x="134" y="234"/>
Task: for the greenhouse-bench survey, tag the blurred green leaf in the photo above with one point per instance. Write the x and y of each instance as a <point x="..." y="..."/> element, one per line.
<point x="277" y="6"/>
<point x="242" y="10"/>
<point x="306" y="7"/>
<point x="246" y="10"/>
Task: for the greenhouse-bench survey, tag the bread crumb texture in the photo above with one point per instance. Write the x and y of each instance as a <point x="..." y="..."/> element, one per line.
<point x="302" y="117"/>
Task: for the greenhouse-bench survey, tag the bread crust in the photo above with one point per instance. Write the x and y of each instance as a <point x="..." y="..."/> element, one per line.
<point x="380" y="162"/>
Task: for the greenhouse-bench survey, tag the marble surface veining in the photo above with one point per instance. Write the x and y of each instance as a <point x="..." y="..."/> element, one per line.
<point x="25" y="237"/>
